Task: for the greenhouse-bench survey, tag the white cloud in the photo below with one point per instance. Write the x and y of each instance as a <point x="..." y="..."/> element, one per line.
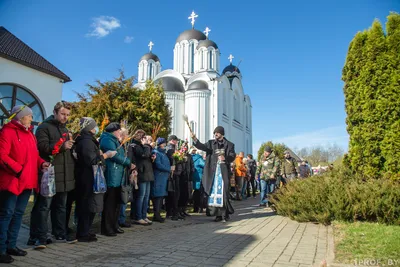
<point x="103" y="26"/>
<point x="331" y="135"/>
<point x="128" y="39"/>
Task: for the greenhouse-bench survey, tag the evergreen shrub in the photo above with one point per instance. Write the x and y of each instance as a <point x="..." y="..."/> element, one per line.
<point x="339" y="195"/>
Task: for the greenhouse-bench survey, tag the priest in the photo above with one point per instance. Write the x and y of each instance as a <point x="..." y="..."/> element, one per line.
<point x="220" y="154"/>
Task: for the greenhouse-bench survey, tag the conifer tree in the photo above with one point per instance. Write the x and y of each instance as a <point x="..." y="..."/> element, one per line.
<point x="370" y="99"/>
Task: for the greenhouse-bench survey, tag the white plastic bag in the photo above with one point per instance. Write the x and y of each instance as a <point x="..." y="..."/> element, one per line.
<point x="48" y="182"/>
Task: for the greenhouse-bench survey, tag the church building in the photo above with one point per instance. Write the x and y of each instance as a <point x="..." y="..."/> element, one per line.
<point x="197" y="87"/>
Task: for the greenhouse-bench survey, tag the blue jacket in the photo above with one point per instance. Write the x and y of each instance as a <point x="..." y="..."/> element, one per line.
<point x="115" y="165"/>
<point x="199" y="163"/>
<point x="162" y="169"/>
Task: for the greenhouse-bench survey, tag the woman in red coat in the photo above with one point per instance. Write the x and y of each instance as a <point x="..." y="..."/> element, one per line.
<point x="19" y="165"/>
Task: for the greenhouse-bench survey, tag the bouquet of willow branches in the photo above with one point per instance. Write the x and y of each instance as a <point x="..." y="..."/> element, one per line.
<point x="186" y="119"/>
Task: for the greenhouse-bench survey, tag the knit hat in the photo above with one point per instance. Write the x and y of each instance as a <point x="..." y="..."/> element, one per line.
<point x="87" y="124"/>
<point x="268" y="149"/>
<point x="161" y="140"/>
<point x="172" y="137"/>
<point x="220" y="130"/>
<point x="21" y="111"/>
<point x="112" y="127"/>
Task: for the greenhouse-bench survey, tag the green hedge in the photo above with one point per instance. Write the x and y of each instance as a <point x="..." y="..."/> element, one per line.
<point x="338" y="195"/>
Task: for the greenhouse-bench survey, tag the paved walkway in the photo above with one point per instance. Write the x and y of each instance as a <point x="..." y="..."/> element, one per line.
<point x="254" y="237"/>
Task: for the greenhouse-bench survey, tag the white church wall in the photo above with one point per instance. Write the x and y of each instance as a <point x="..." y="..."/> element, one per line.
<point x="176" y="102"/>
<point x="197" y="108"/>
<point x="47" y="88"/>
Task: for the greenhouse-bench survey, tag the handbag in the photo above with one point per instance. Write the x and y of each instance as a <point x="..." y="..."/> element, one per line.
<point x="99" y="185"/>
<point x="171" y="183"/>
<point x="126" y="188"/>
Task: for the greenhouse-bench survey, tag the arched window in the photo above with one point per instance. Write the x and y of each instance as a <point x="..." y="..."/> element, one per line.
<point x="211" y="59"/>
<point x="224" y="101"/>
<point x="202" y="59"/>
<point x="236" y="107"/>
<point x="150" y="71"/>
<point x="183" y="58"/>
<point x="192" y="57"/>
<point x="247" y="117"/>
<point x="12" y="95"/>
<point x="142" y="69"/>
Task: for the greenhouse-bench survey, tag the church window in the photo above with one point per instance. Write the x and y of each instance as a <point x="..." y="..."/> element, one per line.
<point x="211" y="59"/>
<point x="236" y="107"/>
<point x="224" y="100"/>
<point x="247" y="117"/>
<point x="142" y="70"/>
<point x="150" y="71"/>
<point x="192" y="54"/>
<point x="202" y="59"/>
<point x="183" y="57"/>
<point x="12" y="95"/>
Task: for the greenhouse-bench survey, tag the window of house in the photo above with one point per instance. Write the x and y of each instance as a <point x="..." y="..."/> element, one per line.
<point x="12" y="95"/>
<point x="224" y="102"/>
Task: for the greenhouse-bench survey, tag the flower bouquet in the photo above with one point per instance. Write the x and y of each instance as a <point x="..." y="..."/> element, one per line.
<point x="178" y="156"/>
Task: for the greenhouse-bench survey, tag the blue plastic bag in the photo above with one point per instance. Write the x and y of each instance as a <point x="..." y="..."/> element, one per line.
<point x="99" y="185"/>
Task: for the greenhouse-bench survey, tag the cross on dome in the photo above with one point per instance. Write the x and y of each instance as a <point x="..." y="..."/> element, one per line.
<point x="151" y="44"/>
<point x="207" y="31"/>
<point x="230" y="58"/>
<point x="192" y="18"/>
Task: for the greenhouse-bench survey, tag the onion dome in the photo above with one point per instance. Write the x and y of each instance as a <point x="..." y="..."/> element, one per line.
<point x="149" y="56"/>
<point x="190" y="35"/>
<point x="207" y="43"/>
<point x="231" y="68"/>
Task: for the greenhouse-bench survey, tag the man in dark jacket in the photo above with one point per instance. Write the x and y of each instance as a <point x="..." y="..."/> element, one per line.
<point x="51" y="132"/>
<point x="224" y="158"/>
<point x="253" y="167"/>
<point x="289" y="169"/>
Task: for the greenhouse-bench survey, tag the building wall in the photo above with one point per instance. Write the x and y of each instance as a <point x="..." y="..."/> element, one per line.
<point x="176" y="102"/>
<point x="47" y="88"/>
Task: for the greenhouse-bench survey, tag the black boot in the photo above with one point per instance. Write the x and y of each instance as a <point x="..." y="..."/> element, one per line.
<point x="5" y="258"/>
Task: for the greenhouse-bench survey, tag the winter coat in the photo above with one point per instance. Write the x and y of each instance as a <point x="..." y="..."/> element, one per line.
<point x="251" y="163"/>
<point x="170" y="151"/>
<point x="268" y="167"/>
<point x="88" y="153"/>
<point x="114" y="166"/>
<point x="199" y="164"/>
<point x="162" y="169"/>
<point x="212" y="160"/>
<point x="19" y="159"/>
<point x="289" y="166"/>
<point x="240" y="167"/>
<point x="188" y="168"/>
<point x="140" y="155"/>
<point x="48" y="134"/>
<point x="304" y="171"/>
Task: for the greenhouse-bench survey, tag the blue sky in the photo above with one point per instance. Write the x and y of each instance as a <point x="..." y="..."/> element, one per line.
<point x="292" y="52"/>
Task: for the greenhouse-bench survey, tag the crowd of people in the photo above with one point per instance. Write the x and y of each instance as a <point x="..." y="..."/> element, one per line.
<point x="166" y="172"/>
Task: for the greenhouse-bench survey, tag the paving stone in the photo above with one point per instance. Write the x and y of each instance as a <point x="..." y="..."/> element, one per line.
<point x="249" y="239"/>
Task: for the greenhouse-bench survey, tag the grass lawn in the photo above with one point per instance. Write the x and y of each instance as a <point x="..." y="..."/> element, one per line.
<point x="359" y="242"/>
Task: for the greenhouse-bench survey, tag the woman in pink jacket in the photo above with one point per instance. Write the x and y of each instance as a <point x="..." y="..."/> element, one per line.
<point x="19" y="165"/>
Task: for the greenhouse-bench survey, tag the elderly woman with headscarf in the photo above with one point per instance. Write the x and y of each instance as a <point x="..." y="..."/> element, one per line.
<point x="19" y="171"/>
<point x="88" y="154"/>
